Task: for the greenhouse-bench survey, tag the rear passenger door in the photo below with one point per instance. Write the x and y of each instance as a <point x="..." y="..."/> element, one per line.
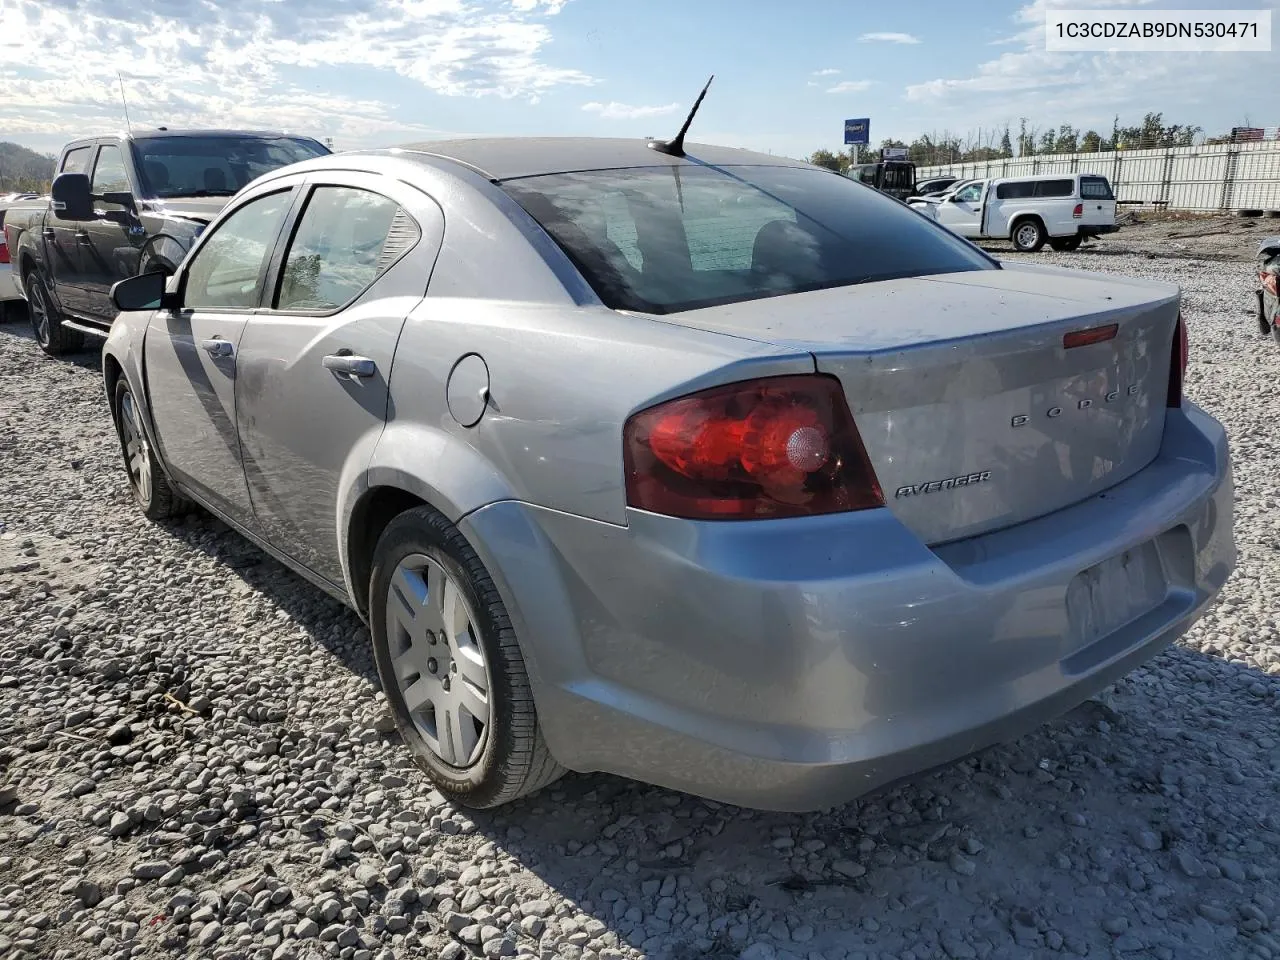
<point x="311" y="387"/>
<point x="63" y="243"/>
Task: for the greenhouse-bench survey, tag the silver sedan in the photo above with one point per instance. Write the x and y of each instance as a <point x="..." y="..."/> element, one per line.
<point x="717" y="470"/>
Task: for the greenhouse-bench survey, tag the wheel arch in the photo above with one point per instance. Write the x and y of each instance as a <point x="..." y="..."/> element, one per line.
<point x="1023" y="215"/>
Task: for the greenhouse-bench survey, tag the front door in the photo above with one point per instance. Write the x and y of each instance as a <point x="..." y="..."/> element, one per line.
<point x="961" y="212"/>
<point x="312" y="389"/>
<point x="191" y="353"/>
<point x="115" y="237"/>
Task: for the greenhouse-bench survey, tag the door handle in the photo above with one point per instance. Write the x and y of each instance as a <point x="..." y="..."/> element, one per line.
<point x="350" y="364"/>
<point x="48" y="234"/>
<point x="82" y="237"/>
<point x="217" y="347"/>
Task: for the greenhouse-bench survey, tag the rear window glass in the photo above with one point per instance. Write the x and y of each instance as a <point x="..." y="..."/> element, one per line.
<point x="666" y="239"/>
<point x="1055" y="188"/>
<point x="1016" y="190"/>
<point x="1095" y="188"/>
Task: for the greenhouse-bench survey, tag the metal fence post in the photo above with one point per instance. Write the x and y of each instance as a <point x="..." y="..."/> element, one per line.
<point x="1229" y="179"/>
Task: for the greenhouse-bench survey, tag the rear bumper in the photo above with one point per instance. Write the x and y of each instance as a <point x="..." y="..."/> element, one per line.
<point x="1096" y="230"/>
<point x="8" y="283"/>
<point x="796" y="664"/>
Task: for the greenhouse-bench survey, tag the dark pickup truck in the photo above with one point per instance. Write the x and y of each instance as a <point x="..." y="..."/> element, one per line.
<point x="124" y="205"/>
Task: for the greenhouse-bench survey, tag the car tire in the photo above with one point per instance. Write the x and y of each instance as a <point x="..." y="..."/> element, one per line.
<point x="1027" y="235"/>
<point x="433" y="606"/>
<point x="1264" y="325"/>
<point x="46" y="319"/>
<point x="1065" y="244"/>
<point x="150" y="487"/>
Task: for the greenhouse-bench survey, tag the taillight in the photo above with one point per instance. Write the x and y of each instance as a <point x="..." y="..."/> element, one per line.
<point x="4" y="250"/>
<point x="774" y="447"/>
<point x="1078" y="212"/>
<point x="1178" y="363"/>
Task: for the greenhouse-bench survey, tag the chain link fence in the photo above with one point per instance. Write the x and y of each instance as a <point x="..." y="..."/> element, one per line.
<point x="1242" y="174"/>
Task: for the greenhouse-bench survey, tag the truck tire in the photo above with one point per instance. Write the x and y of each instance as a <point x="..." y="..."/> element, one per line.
<point x="1065" y="244"/>
<point x="1027" y="234"/>
<point x="46" y="319"/>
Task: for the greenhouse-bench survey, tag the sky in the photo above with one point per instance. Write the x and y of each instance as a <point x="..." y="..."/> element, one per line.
<point x="371" y="73"/>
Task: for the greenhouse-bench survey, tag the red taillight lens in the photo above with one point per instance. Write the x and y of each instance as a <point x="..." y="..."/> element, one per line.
<point x="1178" y="363"/>
<point x="4" y="250"/>
<point x="775" y="447"/>
<point x="1078" y="212"/>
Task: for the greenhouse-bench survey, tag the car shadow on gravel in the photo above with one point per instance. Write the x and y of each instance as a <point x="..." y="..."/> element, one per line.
<point x="1144" y="820"/>
<point x="87" y="358"/>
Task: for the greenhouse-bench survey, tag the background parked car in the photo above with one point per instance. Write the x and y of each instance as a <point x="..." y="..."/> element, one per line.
<point x="936" y="186"/>
<point x="606" y="505"/>
<point x="1030" y="211"/>
<point x="123" y="205"/>
<point x="1268" y="296"/>
<point x="11" y="304"/>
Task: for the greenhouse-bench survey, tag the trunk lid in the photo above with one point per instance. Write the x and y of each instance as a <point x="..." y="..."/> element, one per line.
<point x="973" y="412"/>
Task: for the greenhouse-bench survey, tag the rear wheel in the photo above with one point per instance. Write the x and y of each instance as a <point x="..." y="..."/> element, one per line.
<point x="150" y="487"/>
<point x="450" y="665"/>
<point x="46" y="319"/>
<point x="1065" y="244"/>
<point x="1028" y="235"/>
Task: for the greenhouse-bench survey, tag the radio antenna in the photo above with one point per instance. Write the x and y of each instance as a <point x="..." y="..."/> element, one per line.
<point x="675" y="148"/>
<point x="125" y="102"/>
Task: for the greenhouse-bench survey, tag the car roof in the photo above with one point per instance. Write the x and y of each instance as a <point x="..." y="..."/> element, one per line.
<point x="192" y="132"/>
<point x="507" y="158"/>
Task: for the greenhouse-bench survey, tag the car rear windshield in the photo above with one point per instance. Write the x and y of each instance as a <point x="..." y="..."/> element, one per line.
<point x="214" y="166"/>
<point x="671" y="238"/>
<point x="1095" y="188"/>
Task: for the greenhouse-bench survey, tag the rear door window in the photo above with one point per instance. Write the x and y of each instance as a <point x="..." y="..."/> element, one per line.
<point x="77" y="160"/>
<point x="1015" y="190"/>
<point x="345" y="239"/>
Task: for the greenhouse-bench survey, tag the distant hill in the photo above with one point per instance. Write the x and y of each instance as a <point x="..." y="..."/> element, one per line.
<point x="23" y="169"/>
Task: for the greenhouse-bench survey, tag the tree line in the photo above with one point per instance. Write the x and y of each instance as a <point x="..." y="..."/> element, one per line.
<point x="1028" y="140"/>
<point x="23" y="170"/>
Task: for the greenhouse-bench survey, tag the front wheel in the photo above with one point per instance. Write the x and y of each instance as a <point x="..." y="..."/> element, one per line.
<point x="450" y="666"/>
<point x="150" y="487"/>
<point x="1028" y="235"/>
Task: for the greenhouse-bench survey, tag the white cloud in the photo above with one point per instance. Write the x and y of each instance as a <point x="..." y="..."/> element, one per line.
<point x="202" y="64"/>
<point x="828" y="72"/>
<point x="1089" y="89"/>
<point x="888" y="38"/>
<point x="851" y="86"/>
<point x="624" y="111"/>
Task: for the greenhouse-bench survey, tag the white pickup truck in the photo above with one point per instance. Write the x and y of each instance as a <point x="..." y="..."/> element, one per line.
<point x="1061" y="210"/>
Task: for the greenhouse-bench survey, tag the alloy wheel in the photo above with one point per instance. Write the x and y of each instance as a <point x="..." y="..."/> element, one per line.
<point x="1027" y="235"/>
<point x="137" y="452"/>
<point x="39" y="311"/>
<point x="438" y="659"/>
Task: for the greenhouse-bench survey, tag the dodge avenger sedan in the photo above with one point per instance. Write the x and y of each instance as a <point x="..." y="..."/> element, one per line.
<point x="703" y="467"/>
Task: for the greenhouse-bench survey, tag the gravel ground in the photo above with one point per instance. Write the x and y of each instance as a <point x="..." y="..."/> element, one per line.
<point x="196" y="761"/>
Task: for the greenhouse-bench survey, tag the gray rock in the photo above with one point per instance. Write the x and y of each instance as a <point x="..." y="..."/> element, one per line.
<point x="151" y="870"/>
<point x="209" y="933"/>
<point x="759" y="951"/>
<point x="849" y="868"/>
<point x="306" y="929"/>
<point x="1189" y="864"/>
<point x="962" y="864"/>
<point x="1213" y="913"/>
<point x="535" y="908"/>
<point x="453" y="951"/>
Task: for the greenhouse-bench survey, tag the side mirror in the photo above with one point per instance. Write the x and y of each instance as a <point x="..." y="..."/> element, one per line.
<point x="146" y="291"/>
<point x="122" y="199"/>
<point x="71" y="197"/>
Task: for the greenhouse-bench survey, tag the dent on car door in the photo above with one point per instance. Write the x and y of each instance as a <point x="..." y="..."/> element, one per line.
<point x="313" y="388"/>
<point x="191" y="362"/>
<point x="115" y="236"/>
